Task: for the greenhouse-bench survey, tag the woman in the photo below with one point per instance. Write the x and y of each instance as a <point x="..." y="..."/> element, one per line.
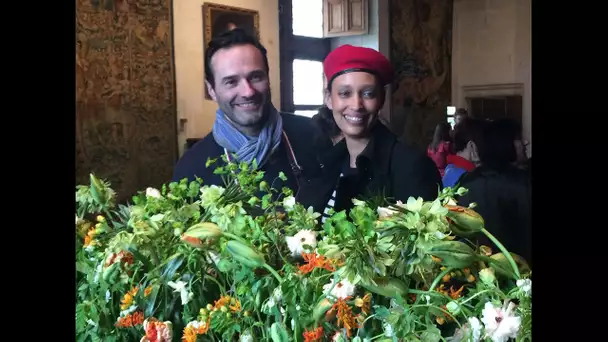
<point x="440" y="147"/>
<point x="465" y="157"/>
<point x="367" y="162"/>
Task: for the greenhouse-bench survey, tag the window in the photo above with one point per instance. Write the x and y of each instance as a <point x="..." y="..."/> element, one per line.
<point x="451" y="111"/>
<point x="307" y="18"/>
<point x="302" y="52"/>
<point x="307" y="82"/>
<point x="496" y="107"/>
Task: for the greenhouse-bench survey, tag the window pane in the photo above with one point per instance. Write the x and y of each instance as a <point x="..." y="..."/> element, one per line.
<point x="307" y="82"/>
<point x="308" y="113"/>
<point x="451" y="121"/>
<point x="307" y="18"/>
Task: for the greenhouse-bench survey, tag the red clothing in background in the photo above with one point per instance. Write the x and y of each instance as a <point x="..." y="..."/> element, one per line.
<point x="440" y="157"/>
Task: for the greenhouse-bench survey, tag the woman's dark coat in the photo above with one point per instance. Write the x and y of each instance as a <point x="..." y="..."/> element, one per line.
<point x="386" y="167"/>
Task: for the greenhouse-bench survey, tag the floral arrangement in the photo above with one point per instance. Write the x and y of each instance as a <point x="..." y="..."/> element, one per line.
<point x="245" y="262"/>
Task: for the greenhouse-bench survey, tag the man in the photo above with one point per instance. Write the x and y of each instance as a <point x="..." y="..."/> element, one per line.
<point x="461" y="113"/>
<point x="246" y="123"/>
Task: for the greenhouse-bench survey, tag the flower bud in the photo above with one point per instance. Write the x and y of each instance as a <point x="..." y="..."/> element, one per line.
<point x="192" y="241"/>
<point x="454" y="254"/>
<point x="453" y="308"/>
<point x="464" y="221"/>
<point x="204" y="231"/>
<point x="100" y="218"/>
<point x="245" y="254"/>
<point x="388" y="287"/>
<point x="487" y="276"/>
<point x="209" y="307"/>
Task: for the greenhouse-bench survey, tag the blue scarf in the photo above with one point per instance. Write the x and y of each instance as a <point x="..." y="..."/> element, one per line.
<point x="248" y="148"/>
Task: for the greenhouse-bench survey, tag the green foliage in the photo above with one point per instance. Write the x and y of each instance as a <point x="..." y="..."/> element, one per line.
<point x="207" y="262"/>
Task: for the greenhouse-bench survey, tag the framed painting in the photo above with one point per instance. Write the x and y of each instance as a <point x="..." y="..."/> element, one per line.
<point x="218" y="19"/>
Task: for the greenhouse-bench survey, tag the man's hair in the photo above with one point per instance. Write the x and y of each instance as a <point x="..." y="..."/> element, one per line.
<point x="227" y="40"/>
<point x="462" y="111"/>
<point x="469" y="129"/>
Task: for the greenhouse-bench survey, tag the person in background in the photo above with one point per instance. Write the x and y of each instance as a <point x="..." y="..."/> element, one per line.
<point x="441" y="146"/>
<point x="467" y="138"/>
<point x="501" y="190"/>
<point x="460" y="115"/>
<point x="247" y="126"/>
<point x="368" y="162"/>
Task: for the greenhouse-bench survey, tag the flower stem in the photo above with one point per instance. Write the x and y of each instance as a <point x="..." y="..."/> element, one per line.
<point x="274" y="273"/>
<point x="504" y="251"/>
<point x="232" y="236"/>
<point x="438" y="279"/>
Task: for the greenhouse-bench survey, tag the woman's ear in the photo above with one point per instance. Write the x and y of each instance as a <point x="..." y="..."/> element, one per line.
<point x="472" y="147"/>
<point x="327" y="98"/>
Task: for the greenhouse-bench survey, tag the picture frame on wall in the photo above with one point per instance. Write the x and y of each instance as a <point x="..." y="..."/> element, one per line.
<point x="218" y="19"/>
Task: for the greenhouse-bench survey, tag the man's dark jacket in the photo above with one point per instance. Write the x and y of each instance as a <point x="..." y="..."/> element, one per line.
<point x="297" y="128"/>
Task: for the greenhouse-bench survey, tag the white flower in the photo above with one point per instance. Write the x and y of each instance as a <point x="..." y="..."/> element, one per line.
<point x="289" y="202"/>
<point x="151" y="192"/>
<point x="388" y="329"/>
<point x="131" y="309"/>
<point x="108" y="296"/>
<point x="451" y="201"/>
<point x="414" y="204"/>
<point x="386" y="212"/>
<point x="213" y="257"/>
<point x="343" y="289"/>
<point x="470" y="332"/>
<point x="338" y="337"/>
<point x="303" y="237"/>
<point x="525" y="285"/>
<point x="277" y="294"/>
<point x="475" y="329"/>
<point x="246" y="336"/>
<point x="500" y="323"/>
<point x="180" y="287"/>
<point x="358" y="203"/>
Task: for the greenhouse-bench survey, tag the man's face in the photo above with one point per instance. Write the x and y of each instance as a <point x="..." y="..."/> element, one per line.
<point x="242" y="88"/>
<point x="458" y="118"/>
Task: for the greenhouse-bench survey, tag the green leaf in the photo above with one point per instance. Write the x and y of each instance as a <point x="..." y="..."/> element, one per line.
<point x="172" y="267"/>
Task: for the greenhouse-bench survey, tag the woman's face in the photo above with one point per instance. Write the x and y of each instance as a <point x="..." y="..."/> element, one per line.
<point x="355" y="99"/>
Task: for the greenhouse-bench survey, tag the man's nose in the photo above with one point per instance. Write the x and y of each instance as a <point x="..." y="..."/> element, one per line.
<point x="246" y="89"/>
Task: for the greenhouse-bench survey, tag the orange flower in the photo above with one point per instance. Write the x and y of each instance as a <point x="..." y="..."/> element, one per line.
<point x="364" y="303"/>
<point x="317" y="261"/>
<point x="127" y="300"/>
<point x="345" y="315"/>
<point x="191" y="332"/>
<point x="313" y="335"/>
<point x="130" y="320"/>
<point x="456" y="294"/>
<point x="223" y="301"/>
<point x="192" y="241"/>
<point x="236" y="307"/>
<point x="441" y="289"/>
<point x="147" y="291"/>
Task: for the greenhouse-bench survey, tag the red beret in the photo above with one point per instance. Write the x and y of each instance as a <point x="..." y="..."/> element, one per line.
<point x="348" y="58"/>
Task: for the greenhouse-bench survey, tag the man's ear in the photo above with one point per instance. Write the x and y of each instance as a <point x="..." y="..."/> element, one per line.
<point x="210" y="90"/>
<point x="327" y="97"/>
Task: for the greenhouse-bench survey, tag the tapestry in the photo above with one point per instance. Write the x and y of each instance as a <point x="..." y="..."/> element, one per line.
<point x="125" y="101"/>
<point x="421" y="51"/>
